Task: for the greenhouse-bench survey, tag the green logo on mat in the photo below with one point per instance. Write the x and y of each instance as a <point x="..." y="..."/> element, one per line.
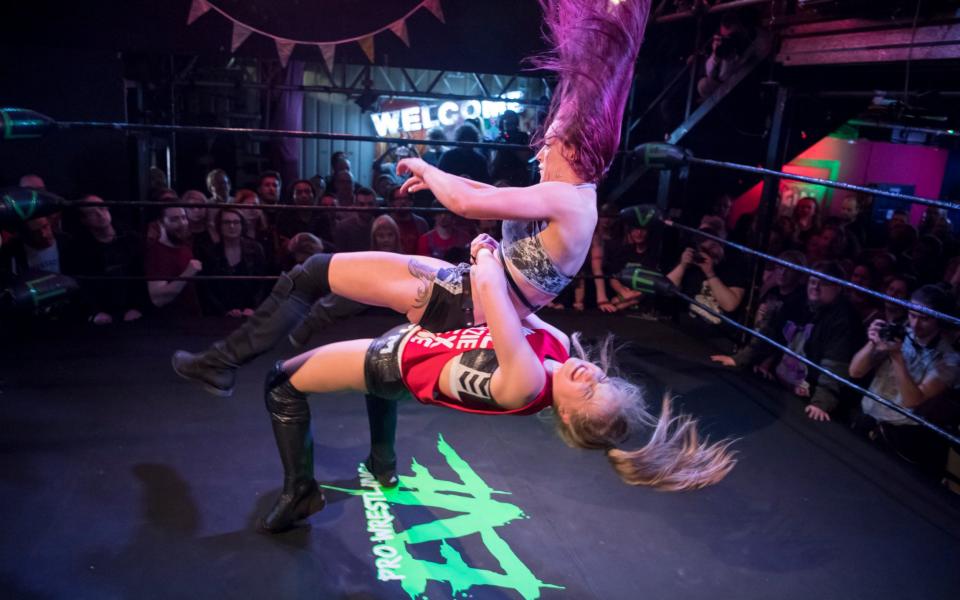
<point x="476" y="513"/>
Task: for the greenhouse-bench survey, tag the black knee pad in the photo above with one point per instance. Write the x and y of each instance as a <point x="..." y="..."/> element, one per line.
<point x="285" y="403"/>
<point x="311" y="280"/>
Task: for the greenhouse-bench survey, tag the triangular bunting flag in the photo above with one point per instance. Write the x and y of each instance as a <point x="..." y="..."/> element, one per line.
<point x="284" y="50"/>
<point x="197" y="9"/>
<point x="366" y="44"/>
<point x="240" y="34"/>
<point x="327" y="50"/>
<point x="434" y="7"/>
<point x="400" y="28"/>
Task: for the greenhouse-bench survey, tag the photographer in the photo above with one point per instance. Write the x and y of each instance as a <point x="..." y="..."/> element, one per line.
<point x="727" y="50"/>
<point x="710" y="274"/>
<point x="511" y="165"/>
<point x="912" y="365"/>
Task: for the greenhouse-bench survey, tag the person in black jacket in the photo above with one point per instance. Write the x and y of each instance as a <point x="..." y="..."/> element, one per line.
<point x="235" y="254"/>
<point x="829" y="336"/>
<point x="783" y="299"/>
<point x="465" y="162"/>
<point x="99" y="249"/>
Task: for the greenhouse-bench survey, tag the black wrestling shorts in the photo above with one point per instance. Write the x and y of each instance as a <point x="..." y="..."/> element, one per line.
<point x="450" y="306"/>
<point x="381" y="366"/>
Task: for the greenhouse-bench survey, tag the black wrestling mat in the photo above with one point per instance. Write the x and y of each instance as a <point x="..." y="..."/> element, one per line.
<point x="120" y="480"/>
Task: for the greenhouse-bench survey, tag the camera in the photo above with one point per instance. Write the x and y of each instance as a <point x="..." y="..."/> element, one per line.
<point x="726" y="48"/>
<point x="892" y="332"/>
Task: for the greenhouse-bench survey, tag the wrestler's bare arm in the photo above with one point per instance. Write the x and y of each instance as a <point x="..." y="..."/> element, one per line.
<point x="519" y="376"/>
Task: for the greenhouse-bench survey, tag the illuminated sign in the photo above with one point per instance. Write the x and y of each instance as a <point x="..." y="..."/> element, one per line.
<point x="475" y="511"/>
<point x="416" y="118"/>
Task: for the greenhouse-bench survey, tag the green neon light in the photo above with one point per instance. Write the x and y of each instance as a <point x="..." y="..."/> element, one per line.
<point x="39" y="296"/>
<point x="477" y="513"/>
<point x="828" y="164"/>
<point x="27" y="124"/>
<point x="15" y="206"/>
<point x="642" y="217"/>
<point x="638" y="281"/>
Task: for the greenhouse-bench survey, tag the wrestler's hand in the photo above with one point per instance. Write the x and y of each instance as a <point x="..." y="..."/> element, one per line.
<point x="486" y="273"/>
<point x="482" y="241"/>
<point x="413" y="185"/>
<point x="413" y="166"/>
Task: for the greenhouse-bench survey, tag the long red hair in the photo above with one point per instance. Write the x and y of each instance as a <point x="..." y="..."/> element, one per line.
<point x="594" y="45"/>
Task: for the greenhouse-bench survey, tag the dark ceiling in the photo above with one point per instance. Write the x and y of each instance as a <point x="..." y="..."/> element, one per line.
<point x="491" y="36"/>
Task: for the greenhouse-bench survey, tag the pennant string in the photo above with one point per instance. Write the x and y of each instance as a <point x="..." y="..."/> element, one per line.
<point x="432" y="5"/>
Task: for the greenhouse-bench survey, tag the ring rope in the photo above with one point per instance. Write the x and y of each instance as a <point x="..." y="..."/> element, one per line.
<point x="289" y="133"/>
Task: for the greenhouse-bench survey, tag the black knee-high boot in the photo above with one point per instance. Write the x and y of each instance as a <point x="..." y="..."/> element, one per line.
<point x="290" y="416"/>
<point x="288" y="303"/>
<point x="324" y="311"/>
<point x="382" y="461"/>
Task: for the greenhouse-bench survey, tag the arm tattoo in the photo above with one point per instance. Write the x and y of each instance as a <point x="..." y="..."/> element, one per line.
<point x="426" y="275"/>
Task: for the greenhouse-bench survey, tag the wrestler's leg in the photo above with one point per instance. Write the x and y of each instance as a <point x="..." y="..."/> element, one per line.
<point x="215" y="368"/>
<point x="396" y="281"/>
<point x="336" y="367"/>
<point x="328" y="368"/>
<point x="329" y="309"/>
<point x="382" y="418"/>
<point x="377" y="278"/>
<point x="331" y="368"/>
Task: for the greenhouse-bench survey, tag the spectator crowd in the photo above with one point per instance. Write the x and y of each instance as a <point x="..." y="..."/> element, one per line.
<point x="170" y="243"/>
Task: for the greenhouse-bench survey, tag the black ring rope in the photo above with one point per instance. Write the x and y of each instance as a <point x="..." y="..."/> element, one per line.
<point x="286" y="133"/>
<point x="825" y="182"/>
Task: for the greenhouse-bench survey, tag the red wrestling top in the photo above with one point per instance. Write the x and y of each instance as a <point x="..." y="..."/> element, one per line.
<point x="424" y="354"/>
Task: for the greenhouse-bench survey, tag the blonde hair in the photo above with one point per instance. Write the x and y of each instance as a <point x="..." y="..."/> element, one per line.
<point x="675" y="457"/>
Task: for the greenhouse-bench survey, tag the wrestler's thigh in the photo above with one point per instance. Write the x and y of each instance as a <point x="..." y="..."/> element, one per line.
<point x="330" y="368"/>
<point x="387" y="279"/>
